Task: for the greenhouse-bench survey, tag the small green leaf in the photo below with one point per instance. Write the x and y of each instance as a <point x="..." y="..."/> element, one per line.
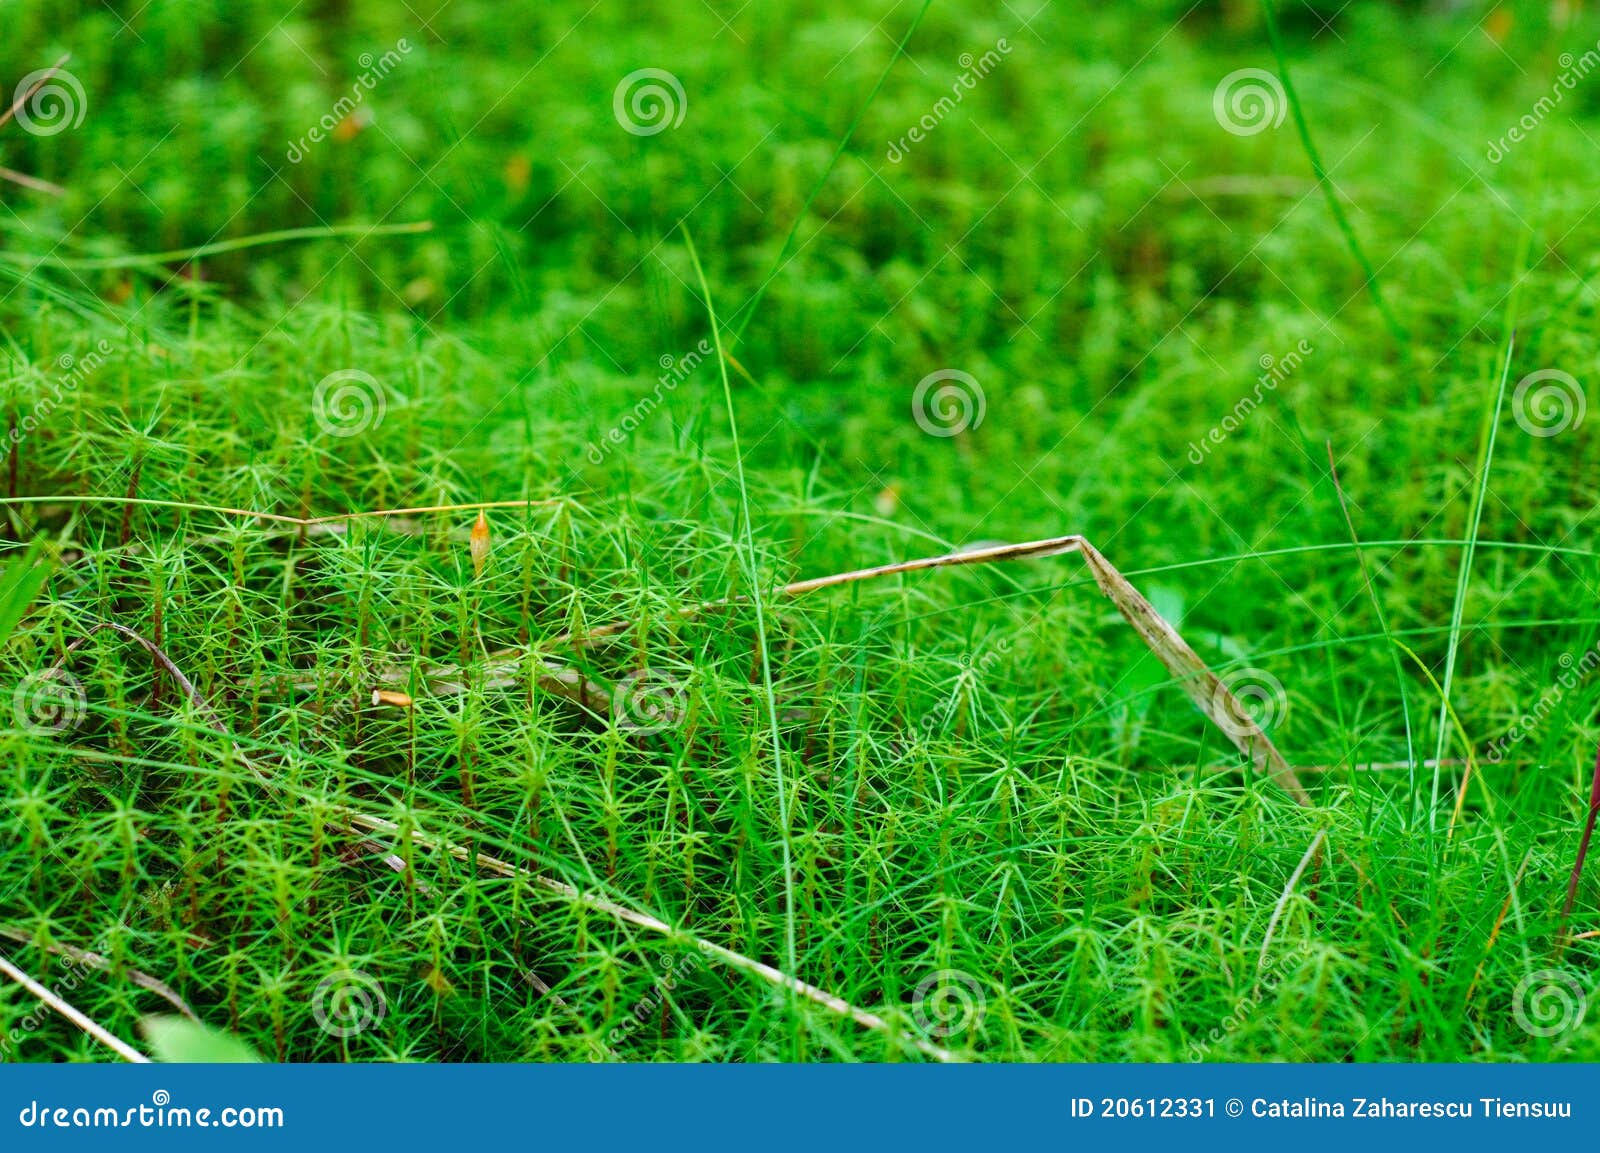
<point x="180" y="1041"/>
<point x="20" y="582"/>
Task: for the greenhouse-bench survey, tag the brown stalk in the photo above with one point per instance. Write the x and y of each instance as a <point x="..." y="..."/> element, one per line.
<point x="1583" y="847"/>
<point x="32" y="182"/>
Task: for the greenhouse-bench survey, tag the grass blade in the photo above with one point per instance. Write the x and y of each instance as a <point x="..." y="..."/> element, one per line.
<point x="1464" y="576"/>
<point x="1345" y="228"/>
<point x="753" y="575"/>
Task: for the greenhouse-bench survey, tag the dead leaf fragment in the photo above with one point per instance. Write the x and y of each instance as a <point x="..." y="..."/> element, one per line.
<point x="479" y="544"/>
<point x="518" y="170"/>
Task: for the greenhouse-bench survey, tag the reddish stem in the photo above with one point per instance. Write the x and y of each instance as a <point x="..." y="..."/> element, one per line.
<point x="1583" y="845"/>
